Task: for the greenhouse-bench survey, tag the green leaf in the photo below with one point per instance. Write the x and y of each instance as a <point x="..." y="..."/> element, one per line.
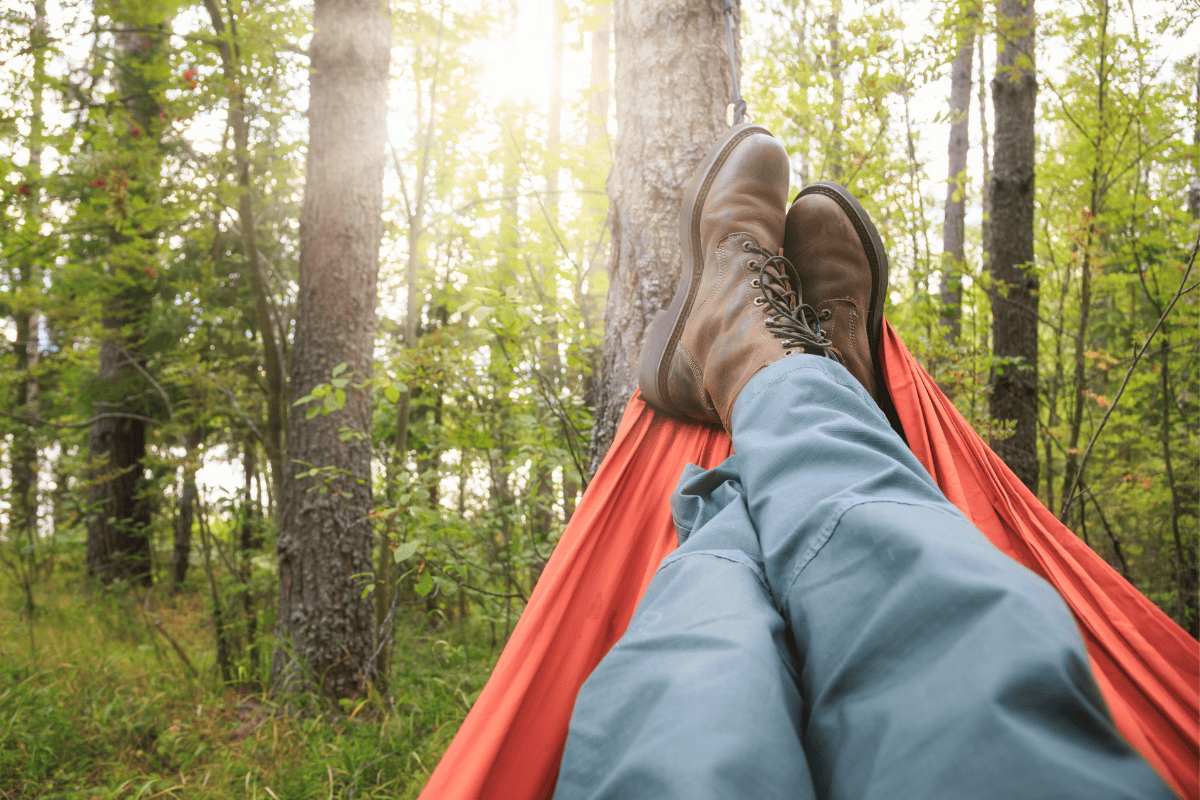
<point x="340" y="368"/>
<point x="447" y="586"/>
<point x="406" y="551"/>
<point x="392" y="394"/>
<point x="424" y="584"/>
<point x="340" y="383"/>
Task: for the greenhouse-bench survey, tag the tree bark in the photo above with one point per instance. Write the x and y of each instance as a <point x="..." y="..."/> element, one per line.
<point x="181" y="556"/>
<point x="1014" y="292"/>
<point x="324" y="626"/>
<point x="985" y="139"/>
<point x="672" y="88"/>
<point x="954" y="224"/>
<point x="23" y="516"/>
<point x="118" y="544"/>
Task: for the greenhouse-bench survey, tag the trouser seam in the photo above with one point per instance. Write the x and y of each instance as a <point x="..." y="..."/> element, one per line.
<point x="825" y="533"/>
<point x="730" y="555"/>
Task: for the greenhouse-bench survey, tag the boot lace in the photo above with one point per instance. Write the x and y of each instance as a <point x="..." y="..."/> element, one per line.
<point x="793" y="321"/>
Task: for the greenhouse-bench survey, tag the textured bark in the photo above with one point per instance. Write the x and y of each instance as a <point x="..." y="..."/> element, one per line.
<point x="1015" y="284"/>
<point x="954" y="224"/>
<point x="118" y="546"/>
<point x="118" y="543"/>
<point x="325" y="624"/>
<point x="672" y="88"/>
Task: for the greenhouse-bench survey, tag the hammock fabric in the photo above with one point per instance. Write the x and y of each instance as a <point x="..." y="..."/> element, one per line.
<point x="510" y="745"/>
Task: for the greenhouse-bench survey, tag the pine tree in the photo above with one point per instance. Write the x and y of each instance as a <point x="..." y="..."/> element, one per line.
<point x="325" y="619"/>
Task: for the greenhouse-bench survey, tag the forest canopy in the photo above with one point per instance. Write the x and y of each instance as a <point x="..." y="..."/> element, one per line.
<point x="262" y="287"/>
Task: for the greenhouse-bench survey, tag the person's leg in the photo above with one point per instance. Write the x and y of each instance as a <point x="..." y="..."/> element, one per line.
<point x="698" y="699"/>
<point x="932" y="665"/>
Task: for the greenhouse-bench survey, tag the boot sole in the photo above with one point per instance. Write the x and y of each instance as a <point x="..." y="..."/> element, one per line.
<point x="655" y="362"/>
<point x="877" y="258"/>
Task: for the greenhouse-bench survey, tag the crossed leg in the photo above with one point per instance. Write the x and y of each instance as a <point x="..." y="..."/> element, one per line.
<point x="832" y="627"/>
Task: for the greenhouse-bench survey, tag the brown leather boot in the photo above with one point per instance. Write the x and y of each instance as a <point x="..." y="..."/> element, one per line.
<point x="840" y="259"/>
<point x="737" y="308"/>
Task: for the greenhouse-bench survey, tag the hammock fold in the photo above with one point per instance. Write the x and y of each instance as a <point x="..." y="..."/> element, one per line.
<point x="510" y="745"/>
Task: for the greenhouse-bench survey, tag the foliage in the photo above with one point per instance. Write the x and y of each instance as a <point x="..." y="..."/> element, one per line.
<point x="108" y="709"/>
<point x="489" y="321"/>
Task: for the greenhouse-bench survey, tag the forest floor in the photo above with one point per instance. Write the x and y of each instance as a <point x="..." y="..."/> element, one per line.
<point x="98" y="703"/>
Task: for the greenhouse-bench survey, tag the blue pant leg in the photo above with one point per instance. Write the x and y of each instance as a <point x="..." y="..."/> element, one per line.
<point x="699" y="698"/>
<point x="932" y="665"/>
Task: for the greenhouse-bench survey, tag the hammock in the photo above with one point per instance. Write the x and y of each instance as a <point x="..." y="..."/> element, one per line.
<point x="511" y="743"/>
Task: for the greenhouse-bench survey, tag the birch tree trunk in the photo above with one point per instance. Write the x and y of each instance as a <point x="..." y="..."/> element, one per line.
<point x="1014" y="291"/>
<point x="672" y="88"/>
<point x="324" y="627"/>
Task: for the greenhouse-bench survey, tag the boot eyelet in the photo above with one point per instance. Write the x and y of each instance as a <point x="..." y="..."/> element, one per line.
<point x="758" y="301"/>
<point x="756" y="283"/>
<point x="746" y="245"/>
<point x="752" y="265"/>
<point x="824" y="314"/>
<point x="788" y="352"/>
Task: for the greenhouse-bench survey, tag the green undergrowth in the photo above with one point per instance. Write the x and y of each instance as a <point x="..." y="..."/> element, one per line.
<point x="104" y="706"/>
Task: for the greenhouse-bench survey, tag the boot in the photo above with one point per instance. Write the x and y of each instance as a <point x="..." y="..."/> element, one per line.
<point x="737" y="309"/>
<point x="840" y="259"/>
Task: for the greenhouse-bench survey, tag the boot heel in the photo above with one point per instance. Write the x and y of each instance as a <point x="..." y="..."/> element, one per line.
<point x="658" y="347"/>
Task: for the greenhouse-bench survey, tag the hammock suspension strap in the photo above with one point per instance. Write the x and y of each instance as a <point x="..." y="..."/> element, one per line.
<point x="736" y="112"/>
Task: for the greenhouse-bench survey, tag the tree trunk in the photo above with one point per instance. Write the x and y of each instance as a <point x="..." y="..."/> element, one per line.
<point x="672" y="89"/>
<point x="985" y="139"/>
<point x="1014" y="292"/>
<point x="954" y="225"/>
<point x="325" y="621"/>
<point x="118" y="544"/>
<point x="1096" y="192"/>
<point x="24" y="459"/>
<point x="181" y="557"/>
<point x="239" y="123"/>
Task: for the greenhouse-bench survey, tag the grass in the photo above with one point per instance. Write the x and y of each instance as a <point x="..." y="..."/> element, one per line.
<point x="103" y="706"/>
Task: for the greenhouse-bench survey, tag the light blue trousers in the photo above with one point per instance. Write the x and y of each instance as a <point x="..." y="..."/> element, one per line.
<point x="832" y="627"/>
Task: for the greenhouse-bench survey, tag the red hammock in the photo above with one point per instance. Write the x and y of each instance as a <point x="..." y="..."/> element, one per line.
<point x="510" y="745"/>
